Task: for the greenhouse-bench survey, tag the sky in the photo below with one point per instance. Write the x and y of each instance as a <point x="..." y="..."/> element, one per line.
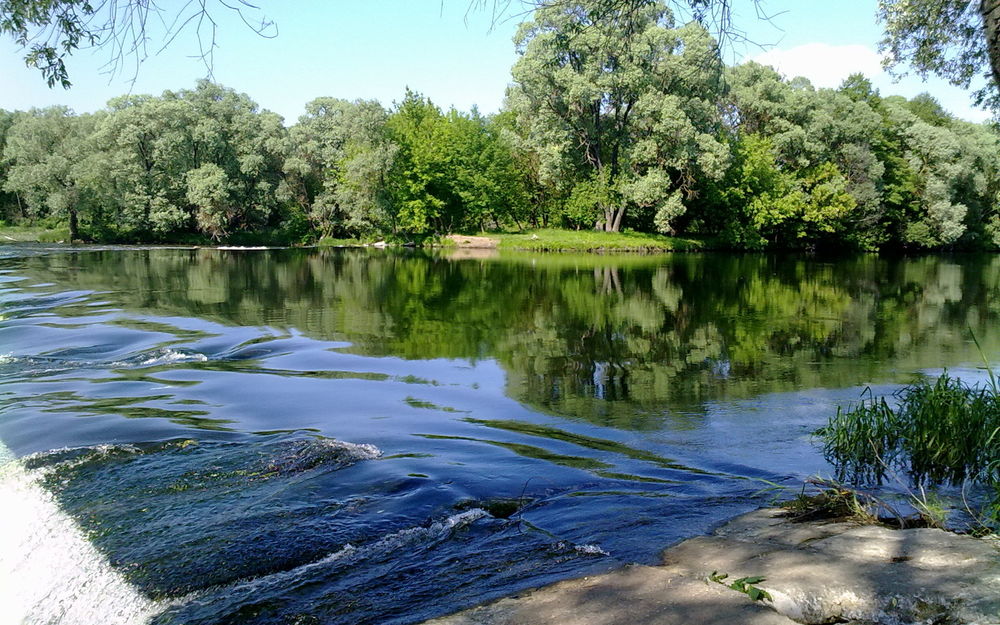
<point x="456" y="55"/>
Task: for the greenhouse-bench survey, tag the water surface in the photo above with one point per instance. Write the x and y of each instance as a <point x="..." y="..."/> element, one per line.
<point x="358" y="436"/>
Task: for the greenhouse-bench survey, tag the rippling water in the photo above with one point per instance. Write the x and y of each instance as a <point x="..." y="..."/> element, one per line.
<point x="350" y="436"/>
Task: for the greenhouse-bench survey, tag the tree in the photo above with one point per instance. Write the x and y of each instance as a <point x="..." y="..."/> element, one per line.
<point x="337" y="165"/>
<point x="209" y="190"/>
<point x="479" y="163"/>
<point x="420" y="188"/>
<point x="51" y="30"/>
<point x="42" y="152"/>
<point x="625" y="100"/>
<point x="958" y="40"/>
<point x="145" y="140"/>
<point x="151" y="144"/>
<point x="10" y="205"/>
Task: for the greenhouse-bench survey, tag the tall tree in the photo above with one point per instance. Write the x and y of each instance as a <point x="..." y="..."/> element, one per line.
<point x="338" y="163"/>
<point x="42" y="152"/>
<point x="626" y="98"/>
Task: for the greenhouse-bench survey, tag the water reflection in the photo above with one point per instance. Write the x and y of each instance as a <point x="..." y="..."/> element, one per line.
<point x="620" y="341"/>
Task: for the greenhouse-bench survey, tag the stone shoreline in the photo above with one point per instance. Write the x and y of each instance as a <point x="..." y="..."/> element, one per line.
<point x="815" y="573"/>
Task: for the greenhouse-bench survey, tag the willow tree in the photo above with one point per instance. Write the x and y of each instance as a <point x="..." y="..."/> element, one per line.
<point x="622" y="100"/>
<point x="43" y="153"/>
<point x="337" y="165"/>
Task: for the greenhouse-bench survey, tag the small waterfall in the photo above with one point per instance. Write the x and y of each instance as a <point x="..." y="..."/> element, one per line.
<point x="50" y="574"/>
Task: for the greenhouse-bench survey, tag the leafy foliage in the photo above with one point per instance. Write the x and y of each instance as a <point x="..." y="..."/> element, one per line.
<point x="947" y="38"/>
<point x="618" y="118"/>
<point x="745" y="585"/>
<point x="620" y="102"/>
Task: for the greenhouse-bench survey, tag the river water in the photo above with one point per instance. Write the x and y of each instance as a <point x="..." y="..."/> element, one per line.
<point x="209" y="436"/>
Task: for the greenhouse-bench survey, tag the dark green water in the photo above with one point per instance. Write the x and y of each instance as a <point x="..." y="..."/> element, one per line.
<point x="353" y="436"/>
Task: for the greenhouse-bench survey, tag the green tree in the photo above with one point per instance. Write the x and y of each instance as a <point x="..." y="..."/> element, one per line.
<point x="146" y="141"/>
<point x="625" y="99"/>
<point x="42" y="150"/>
<point x="337" y="165"/>
<point x="480" y="166"/>
<point x="209" y="190"/>
<point x="421" y="190"/>
<point x="10" y="206"/>
<point x="151" y="144"/>
<point x="958" y="40"/>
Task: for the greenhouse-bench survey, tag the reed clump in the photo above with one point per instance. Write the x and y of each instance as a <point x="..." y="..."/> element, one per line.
<point x="936" y="432"/>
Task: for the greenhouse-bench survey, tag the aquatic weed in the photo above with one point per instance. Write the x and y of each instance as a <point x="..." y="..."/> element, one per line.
<point x="939" y="432"/>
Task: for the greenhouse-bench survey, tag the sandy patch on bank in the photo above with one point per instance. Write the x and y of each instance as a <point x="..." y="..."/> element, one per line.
<point x="464" y="241"/>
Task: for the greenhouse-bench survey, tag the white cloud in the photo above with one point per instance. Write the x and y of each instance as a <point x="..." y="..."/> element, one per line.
<point x="823" y="64"/>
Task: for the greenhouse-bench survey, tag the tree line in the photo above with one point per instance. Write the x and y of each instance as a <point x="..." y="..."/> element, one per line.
<point x="615" y="119"/>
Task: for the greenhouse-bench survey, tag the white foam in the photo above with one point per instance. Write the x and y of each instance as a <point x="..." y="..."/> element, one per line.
<point x="87" y="454"/>
<point x="50" y="574"/>
<point x="170" y="356"/>
<point x="390" y="542"/>
<point x="6" y="358"/>
<point x="591" y="550"/>
<point x="357" y="451"/>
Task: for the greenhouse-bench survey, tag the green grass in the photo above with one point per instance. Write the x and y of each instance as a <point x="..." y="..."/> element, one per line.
<point x="32" y="234"/>
<point x="555" y="240"/>
<point x="332" y="242"/>
<point x="936" y="432"/>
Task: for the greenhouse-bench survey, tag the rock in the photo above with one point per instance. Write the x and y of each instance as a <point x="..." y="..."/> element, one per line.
<point x="632" y="595"/>
<point x="823" y="573"/>
<point x="817" y="572"/>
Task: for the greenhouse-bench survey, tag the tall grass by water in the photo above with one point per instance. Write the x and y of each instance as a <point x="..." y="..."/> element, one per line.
<point x="934" y="432"/>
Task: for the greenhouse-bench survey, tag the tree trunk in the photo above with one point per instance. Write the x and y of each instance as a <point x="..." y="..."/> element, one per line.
<point x="990" y="11"/>
<point x="617" y="225"/>
<point x="74" y="226"/>
<point x="613" y="218"/>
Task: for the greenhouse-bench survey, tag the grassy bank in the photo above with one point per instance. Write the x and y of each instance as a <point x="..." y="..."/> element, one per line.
<point x="555" y="240"/>
<point x="35" y="234"/>
<point x="542" y="240"/>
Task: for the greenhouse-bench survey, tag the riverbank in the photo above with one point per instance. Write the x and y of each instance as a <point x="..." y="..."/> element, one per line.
<point x="555" y="240"/>
<point x="33" y="234"/>
<point x="813" y="573"/>
<point x="550" y="240"/>
<point x="547" y="240"/>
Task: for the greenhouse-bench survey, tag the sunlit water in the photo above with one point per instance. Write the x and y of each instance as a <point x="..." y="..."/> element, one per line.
<point x="349" y="436"/>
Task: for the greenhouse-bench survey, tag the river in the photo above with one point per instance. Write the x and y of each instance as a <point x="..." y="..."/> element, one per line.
<point x="303" y="436"/>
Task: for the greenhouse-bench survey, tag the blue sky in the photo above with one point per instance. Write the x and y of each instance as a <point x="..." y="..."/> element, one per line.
<point x="457" y="57"/>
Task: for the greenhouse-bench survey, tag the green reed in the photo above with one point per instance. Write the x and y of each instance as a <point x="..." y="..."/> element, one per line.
<point x="936" y="432"/>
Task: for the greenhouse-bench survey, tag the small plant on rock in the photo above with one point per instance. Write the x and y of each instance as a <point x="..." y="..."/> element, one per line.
<point x="746" y="585"/>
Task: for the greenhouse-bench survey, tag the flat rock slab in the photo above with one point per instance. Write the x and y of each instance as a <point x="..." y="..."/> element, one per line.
<point x="815" y="573"/>
<point x="629" y="596"/>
